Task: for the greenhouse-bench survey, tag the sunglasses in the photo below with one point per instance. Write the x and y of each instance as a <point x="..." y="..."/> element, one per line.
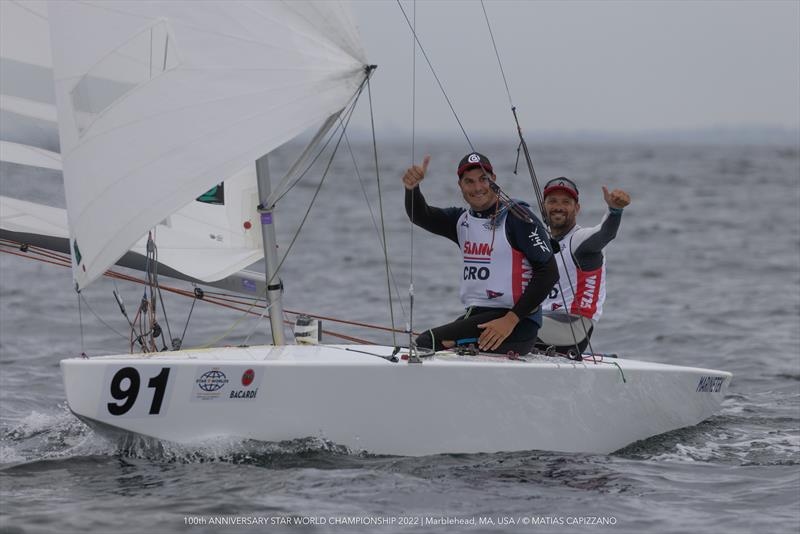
<point x="562" y="182"/>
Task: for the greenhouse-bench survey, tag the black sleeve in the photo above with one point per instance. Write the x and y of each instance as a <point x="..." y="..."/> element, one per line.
<point x="533" y="241"/>
<point x="588" y="243"/>
<point x="439" y="221"/>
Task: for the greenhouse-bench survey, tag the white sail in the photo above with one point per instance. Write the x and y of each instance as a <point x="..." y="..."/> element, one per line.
<point x="29" y="108"/>
<point x="202" y="241"/>
<point x="227" y="236"/>
<point x="27" y="98"/>
<point x="24" y="32"/>
<point x="31" y="218"/>
<point x="29" y="155"/>
<point x="158" y="102"/>
<point x="209" y="242"/>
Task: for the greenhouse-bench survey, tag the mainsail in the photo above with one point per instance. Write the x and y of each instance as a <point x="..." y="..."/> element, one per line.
<point x="201" y="241"/>
<point x="27" y="98"/>
<point x="158" y="102"/>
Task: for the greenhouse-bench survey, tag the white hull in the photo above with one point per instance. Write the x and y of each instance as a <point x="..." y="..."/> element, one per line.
<point x="447" y="404"/>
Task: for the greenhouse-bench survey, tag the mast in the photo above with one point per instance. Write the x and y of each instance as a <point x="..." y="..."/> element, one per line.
<point x="274" y="284"/>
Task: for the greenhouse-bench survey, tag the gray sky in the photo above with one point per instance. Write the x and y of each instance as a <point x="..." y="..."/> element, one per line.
<point x="617" y="66"/>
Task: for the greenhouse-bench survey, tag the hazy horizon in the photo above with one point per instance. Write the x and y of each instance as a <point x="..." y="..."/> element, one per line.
<point x="614" y="68"/>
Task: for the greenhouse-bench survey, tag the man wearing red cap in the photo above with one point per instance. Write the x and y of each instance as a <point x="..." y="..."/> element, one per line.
<point x="569" y="315"/>
<point x="509" y="267"/>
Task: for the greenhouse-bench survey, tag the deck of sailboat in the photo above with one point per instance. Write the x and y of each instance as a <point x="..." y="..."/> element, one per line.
<point x="324" y="355"/>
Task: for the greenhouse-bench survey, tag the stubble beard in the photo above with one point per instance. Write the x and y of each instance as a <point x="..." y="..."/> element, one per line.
<point x="560" y="228"/>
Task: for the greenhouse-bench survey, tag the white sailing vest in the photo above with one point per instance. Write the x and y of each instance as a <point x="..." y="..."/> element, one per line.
<point x="589" y="286"/>
<point x="495" y="274"/>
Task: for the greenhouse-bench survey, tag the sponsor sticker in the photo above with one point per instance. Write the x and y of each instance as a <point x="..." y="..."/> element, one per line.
<point x="248" y="377"/>
<point x="537" y="240"/>
<point x="710" y="384"/>
<point x="228" y="382"/>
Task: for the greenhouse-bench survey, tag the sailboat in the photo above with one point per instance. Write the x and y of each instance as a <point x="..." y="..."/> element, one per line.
<point x="158" y="102"/>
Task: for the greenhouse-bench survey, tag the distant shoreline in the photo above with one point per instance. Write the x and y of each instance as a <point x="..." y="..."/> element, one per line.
<point x="747" y="136"/>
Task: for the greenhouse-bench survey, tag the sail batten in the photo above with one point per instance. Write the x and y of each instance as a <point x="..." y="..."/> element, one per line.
<point x="139" y="142"/>
<point x="29" y="155"/>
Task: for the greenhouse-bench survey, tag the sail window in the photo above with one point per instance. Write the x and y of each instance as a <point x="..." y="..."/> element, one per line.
<point x="78" y="256"/>
<point x="148" y="54"/>
<point x="215" y="195"/>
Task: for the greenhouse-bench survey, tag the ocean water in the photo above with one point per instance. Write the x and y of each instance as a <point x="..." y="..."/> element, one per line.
<point x="705" y="272"/>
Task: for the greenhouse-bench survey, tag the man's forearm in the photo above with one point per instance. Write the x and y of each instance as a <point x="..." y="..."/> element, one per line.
<point x="593" y="240"/>
<point x="544" y="277"/>
<point x="432" y="219"/>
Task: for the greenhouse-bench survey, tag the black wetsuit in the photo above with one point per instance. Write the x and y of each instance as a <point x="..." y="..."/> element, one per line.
<point x="444" y="222"/>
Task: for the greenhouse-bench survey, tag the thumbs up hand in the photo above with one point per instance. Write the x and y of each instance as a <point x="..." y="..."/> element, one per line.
<point x="415" y="174"/>
<point x="616" y="198"/>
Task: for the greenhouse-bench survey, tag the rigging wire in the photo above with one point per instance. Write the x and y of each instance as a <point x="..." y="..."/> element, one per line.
<point x="117" y="332"/>
<point x="280" y="264"/>
<point x="80" y="322"/>
<point x="213" y="297"/>
<point x="149" y="308"/>
<point x="197" y="295"/>
<point x="380" y="204"/>
<point x="259" y="322"/>
<point x="161" y="297"/>
<point x="64" y="261"/>
<point x="436" y="77"/>
<point x="145" y="305"/>
<point x="353" y="103"/>
<point x="496" y="188"/>
<point x="537" y="190"/>
<point x="350" y="105"/>
<point x="225" y="297"/>
<point x="372" y="216"/>
<point x="413" y="100"/>
<point x="500" y="63"/>
<point x="322" y="180"/>
<point x="410" y="324"/>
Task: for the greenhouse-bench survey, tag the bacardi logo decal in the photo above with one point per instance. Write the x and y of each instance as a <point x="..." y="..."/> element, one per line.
<point x="247" y="377"/>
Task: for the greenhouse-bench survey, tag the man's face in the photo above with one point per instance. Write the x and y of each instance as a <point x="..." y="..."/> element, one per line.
<point x="562" y="210"/>
<point x="475" y="188"/>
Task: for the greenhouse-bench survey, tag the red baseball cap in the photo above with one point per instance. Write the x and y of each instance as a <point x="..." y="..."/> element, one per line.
<point x="561" y="184"/>
<point x="472" y="160"/>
